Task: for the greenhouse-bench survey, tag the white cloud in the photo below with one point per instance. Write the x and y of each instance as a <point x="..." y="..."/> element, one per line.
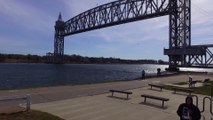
<point x="11" y="44"/>
<point x="134" y="33"/>
<point x="107" y="48"/>
<point x="201" y="11"/>
<point x="76" y="7"/>
<point x="202" y="23"/>
<point x="25" y="15"/>
<point x="27" y="27"/>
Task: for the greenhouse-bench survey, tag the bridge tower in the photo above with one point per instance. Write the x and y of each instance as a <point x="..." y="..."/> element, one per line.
<point x="179" y="33"/>
<point x="59" y="40"/>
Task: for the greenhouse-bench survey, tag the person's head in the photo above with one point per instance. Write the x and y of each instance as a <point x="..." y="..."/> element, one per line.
<point x="189" y="100"/>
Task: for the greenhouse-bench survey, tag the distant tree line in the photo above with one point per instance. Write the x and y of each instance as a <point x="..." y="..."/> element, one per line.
<point x="18" y="58"/>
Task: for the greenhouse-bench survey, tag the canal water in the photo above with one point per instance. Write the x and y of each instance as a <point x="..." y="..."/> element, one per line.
<point x="20" y="75"/>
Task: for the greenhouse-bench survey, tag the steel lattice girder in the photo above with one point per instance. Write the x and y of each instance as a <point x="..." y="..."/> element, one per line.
<point x="196" y="55"/>
<point x="180" y="23"/>
<point x="180" y="31"/>
<point x="115" y="13"/>
<point x="203" y="60"/>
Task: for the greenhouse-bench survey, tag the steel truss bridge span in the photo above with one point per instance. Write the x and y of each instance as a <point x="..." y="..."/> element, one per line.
<point x="180" y="51"/>
<point x="115" y="13"/>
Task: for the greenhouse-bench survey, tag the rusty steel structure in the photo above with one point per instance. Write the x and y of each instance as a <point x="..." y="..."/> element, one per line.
<point x="180" y="51"/>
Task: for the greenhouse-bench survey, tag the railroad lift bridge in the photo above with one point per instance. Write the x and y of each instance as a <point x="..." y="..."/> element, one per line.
<point x="180" y="51"/>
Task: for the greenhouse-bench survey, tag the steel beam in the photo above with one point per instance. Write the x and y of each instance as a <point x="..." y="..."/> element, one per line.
<point x="115" y="13"/>
<point x="179" y="33"/>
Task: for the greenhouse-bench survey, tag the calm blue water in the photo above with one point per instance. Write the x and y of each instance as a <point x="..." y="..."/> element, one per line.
<point x="16" y="76"/>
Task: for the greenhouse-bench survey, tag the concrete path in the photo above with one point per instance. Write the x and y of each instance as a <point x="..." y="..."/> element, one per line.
<point x="91" y="102"/>
<point x="104" y="107"/>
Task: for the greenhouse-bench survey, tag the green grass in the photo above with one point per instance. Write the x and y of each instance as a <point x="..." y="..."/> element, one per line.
<point x="30" y="115"/>
<point x="181" y="83"/>
<point x="204" y="90"/>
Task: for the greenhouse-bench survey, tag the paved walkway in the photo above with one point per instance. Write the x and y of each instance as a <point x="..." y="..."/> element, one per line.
<point x="104" y="107"/>
<point x="85" y="102"/>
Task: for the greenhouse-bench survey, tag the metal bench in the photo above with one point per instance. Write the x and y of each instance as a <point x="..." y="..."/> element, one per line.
<point x="192" y="83"/>
<point x="183" y="90"/>
<point x="206" y="81"/>
<point x="156" y="98"/>
<point x="156" y="85"/>
<point x="123" y="92"/>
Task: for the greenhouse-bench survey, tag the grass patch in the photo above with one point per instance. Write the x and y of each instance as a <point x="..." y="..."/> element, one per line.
<point x="203" y="90"/>
<point x="30" y="115"/>
<point x="168" y="87"/>
<point x="181" y="83"/>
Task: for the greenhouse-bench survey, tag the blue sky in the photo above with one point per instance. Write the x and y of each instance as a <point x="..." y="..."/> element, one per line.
<point x="27" y="27"/>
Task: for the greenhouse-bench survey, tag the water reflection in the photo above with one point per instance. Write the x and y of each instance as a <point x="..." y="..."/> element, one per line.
<point x="209" y="70"/>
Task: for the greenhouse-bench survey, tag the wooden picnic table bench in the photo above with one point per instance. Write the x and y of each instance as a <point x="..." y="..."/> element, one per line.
<point x="123" y="92"/>
<point x="156" y="85"/>
<point x="183" y="90"/>
<point x="155" y="97"/>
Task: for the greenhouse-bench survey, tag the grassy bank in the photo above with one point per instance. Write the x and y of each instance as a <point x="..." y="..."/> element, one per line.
<point x="30" y="115"/>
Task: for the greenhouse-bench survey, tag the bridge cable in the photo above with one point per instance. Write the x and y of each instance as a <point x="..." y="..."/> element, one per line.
<point x="205" y="12"/>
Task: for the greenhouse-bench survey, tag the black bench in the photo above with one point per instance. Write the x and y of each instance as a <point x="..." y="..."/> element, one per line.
<point x="192" y="83"/>
<point x="155" y="97"/>
<point x="183" y="90"/>
<point x="156" y="85"/>
<point x="206" y="81"/>
<point x="123" y="92"/>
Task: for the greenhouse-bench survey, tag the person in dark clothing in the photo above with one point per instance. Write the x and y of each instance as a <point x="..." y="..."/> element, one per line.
<point x="143" y="74"/>
<point x="190" y="80"/>
<point x="188" y="111"/>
